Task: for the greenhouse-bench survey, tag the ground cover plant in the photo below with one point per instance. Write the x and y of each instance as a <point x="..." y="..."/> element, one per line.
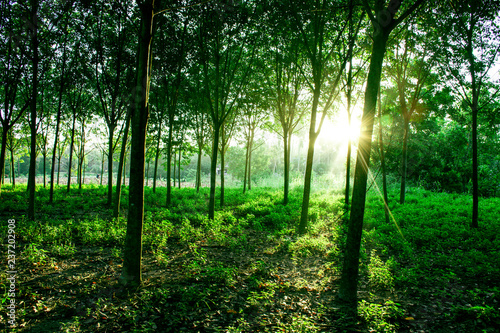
<point x="247" y="270"/>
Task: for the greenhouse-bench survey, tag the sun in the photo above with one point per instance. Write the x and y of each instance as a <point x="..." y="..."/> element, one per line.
<point x="338" y="129"/>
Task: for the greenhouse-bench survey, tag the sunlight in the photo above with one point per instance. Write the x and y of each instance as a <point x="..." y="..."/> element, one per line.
<point x="337" y="128"/>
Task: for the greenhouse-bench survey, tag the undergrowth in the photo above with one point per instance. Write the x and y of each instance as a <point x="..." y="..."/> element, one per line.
<point x="248" y="270"/>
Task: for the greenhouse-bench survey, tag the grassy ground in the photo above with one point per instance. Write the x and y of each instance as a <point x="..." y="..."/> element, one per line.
<point x="247" y="271"/>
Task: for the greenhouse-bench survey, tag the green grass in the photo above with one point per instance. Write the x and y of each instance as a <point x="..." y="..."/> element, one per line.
<point x="247" y="270"/>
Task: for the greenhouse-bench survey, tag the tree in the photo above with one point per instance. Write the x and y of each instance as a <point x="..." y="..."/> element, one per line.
<point x="410" y="66"/>
<point x="157" y="121"/>
<point x="470" y="33"/>
<point x="287" y="82"/>
<point x="383" y="20"/>
<point x="170" y="74"/>
<point x="353" y="31"/>
<point x="13" y="71"/>
<point x="131" y="274"/>
<point x="116" y="209"/>
<point x="226" y="133"/>
<point x="198" y="105"/>
<point x="112" y="75"/>
<point x="321" y="31"/>
<point x="33" y="32"/>
<point x="254" y="114"/>
<point x="62" y="83"/>
<point x="226" y="48"/>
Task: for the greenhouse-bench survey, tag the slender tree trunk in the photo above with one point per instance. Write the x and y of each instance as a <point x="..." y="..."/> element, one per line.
<point x="309" y="161"/>
<point x="71" y="146"/>
<point x="213" y="172"/>
<point x="179" y="168"/>
<point x="83" y="170"/>
<point x="245" y="175"/>
<point x="474" y="108"/>
<point x="382" y="160"/>
<point x="174" y="162"/>
<point x="3" y="151"/>
<point x="250" y="162"/>
<point x="110" y="166"/>
<point x="102" y="168"/>
<point x="169" y="159"/>
<point x="198" y="171"/>
<point x="404" y="158"/>
<point x="58" y="122"/>
<point x="147" y="174"/>
<point x="34" y="48"/>
<point x="286" y="164"/>
<point x="475" y="182"/>
<point x="157" y="157"/>
<point x="118" y="193"/>
<point x="13" y="170"/>
<point x="58" y="168"/>
<point x="124" y="182"/>
<point x="222" y="161"/>
<point x="131" y="274"/>
<point x="81" y="157"/>
<point x="349" y="142"/>
<point x="44" y="168"/>
<point x="350" y="270"/>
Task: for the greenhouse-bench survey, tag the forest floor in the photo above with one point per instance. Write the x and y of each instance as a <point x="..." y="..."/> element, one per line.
<point x="247" y="271"/>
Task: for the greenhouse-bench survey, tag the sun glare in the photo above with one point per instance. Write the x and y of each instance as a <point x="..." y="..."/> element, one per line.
<point x="337" y="129"/>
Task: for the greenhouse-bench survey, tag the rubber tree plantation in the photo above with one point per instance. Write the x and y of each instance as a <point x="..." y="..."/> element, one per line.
<point x="250" y="166"/>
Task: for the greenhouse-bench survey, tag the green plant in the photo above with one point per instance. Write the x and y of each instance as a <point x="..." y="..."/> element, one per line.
<point x="380" y="317"/>
<point x="35" y="255"/>
<point x="379" y="273"/>
<point x="65" y="249"/>
<point x="300" y="324"/>
<point x="307" y="245"/>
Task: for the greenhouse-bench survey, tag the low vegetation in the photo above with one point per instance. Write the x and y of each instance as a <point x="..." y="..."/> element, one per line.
<point x="247" y="270"/>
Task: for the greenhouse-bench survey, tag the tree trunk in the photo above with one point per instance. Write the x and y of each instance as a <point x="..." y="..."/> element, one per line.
<point x="245" y="174"/>
<point x="349" y="142"/>
<point x="309" y="162"/>
<point x="179" y="168"/>
<point x="13" y="170"/>
<point x="131" y="274"/>
<point x="475" y="182"/>
<point x="404" y="158"/>
<point x="222" y="161"/>
<point x="58" y="168"/>
<point x="350" y="270"/>
<point x="213" y="172"/>
<point x="198" y="172"/>
<point x="110" y="165"/>
<point x="3" y="151"/>
<point x="124" y="182"/>
<point x="81" y="157"/>
<point x="58" y="122"/>
<point x="169" y="159"/>
<point x="34" y="48"/>
<point x="382" y="160"/>
<point x="83" y="169"/>
<point x="250" y="161"/>
<point x="102" y="168"/>
<point x="71" y="146"/>
<point x="307" y="187"/>
<point x="44" y="168"/>
<point x="157" y="156"/>
<point x="118" y="193"/>
<point x="475" y="87"/>
<point x="286" y="165"/>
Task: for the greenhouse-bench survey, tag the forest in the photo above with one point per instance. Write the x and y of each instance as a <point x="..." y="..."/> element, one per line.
<point x="250" y="166"/>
